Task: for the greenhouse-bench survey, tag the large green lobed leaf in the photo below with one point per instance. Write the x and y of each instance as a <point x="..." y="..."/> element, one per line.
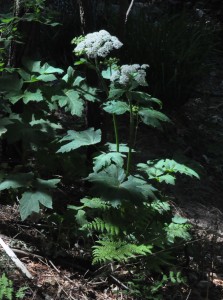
<point x="116" y="107"/>
<point x="79" y="139"/>
<point x="30" y="202"/>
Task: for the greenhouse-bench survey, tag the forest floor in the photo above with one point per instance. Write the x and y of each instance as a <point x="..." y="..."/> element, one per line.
<point x="196" y="139"/>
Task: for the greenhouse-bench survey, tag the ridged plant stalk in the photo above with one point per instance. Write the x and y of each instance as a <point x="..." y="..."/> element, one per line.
<point x="105" y="88"/>
<point x="131" y="134"/>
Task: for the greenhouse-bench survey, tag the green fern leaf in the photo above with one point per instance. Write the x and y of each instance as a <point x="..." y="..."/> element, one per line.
<point x="160" y="206"/>
<point x="6" y="288"/>
<point x="177" y="231"/>
<point x="118" y="250"/>
<point x="103" y="226"/>
<point x="95" y="203"/>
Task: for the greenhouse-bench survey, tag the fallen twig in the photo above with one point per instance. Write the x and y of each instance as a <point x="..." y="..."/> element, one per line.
<point x="119" y="282"/>
<point x="15" y="259"/>
<point x="55" y="268"/>
<point x="25" y="253"/>
<point x="188" y="294"/>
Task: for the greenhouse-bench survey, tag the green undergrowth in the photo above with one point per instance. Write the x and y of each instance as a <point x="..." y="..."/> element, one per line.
<point x="7" y="291"/>
<point x="124" y="214"/>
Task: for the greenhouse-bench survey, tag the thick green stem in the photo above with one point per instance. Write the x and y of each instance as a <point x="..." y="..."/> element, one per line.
<point x="115" y="125"/>
<point x="131" y="138"/>
<point x="104" y="86"/>
<point x="116" y="132"/>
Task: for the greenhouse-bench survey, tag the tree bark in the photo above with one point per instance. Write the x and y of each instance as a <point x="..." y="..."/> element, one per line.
<point x="86" y="16"/>
<point x="12" y="57"/>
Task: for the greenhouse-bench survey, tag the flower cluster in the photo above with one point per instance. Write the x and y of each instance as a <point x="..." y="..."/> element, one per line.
<point x="97" y="44"/>
<point x="128" y="73"/>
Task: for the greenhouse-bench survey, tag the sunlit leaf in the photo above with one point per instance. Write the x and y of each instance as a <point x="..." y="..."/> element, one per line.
<point x="179" y="220"/>
<point x="105" y="159"/>
<point x="123" y="148"/>
<point x="116" y="107"/>
<point x="71" y="101"/>
<point x="79" y="139"/>
<point x="32" y="96"/>
<point x="106" y="74"/>
<point x="17" y="180"/>
<point x="46" y="77"/>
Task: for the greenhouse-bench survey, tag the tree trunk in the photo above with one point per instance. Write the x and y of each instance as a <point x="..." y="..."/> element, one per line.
<point x="12" y="57"/>
<point x="86" y="16"/>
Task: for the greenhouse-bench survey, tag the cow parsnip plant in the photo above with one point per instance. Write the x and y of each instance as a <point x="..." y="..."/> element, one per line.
<point x="124" y="212"/>
<point x="129" y="215"/>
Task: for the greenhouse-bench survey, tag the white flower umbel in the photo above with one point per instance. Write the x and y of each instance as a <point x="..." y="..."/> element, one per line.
<point x="97" y="44"/>
<point x="128" y="73"/>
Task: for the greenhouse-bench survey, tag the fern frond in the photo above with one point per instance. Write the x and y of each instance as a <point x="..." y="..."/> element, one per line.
<point x="117" y="250"/>
<point x="95" y="203"/>
<point x="102" y="225"/>
<point x="177" y="231"/>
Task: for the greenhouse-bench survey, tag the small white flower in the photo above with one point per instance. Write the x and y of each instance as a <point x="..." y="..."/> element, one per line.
<point x="98" y="44"/>
<point x="144" y="66"/>
<point x="128" y="73"/>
